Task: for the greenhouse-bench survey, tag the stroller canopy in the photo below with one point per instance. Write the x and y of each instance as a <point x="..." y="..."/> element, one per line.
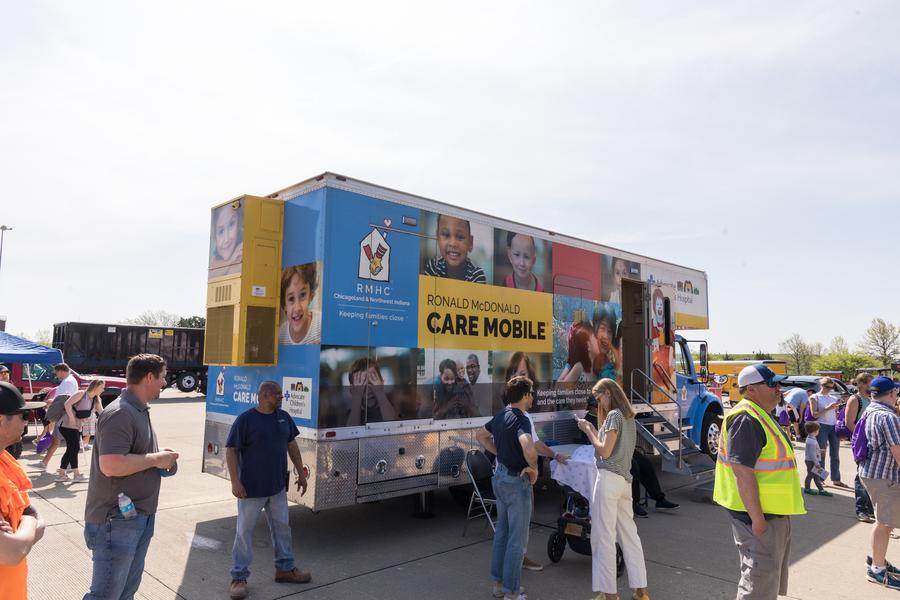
<point x="14" y="349"/>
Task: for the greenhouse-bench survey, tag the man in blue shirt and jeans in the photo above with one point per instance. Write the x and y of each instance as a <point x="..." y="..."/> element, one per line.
<point x="258" y="445"/>
<point x="509" y="436"/>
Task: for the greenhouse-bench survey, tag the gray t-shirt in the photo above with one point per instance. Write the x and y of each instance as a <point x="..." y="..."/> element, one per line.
<point x="123" y="428"/>
<point x="619" y="462"/>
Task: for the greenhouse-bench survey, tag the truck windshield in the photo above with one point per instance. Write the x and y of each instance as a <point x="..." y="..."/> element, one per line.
<point x="40" y="372"/>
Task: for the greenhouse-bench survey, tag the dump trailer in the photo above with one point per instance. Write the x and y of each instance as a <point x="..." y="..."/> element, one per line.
<point x="105" y="348"/>
<point x="392" y="323"/>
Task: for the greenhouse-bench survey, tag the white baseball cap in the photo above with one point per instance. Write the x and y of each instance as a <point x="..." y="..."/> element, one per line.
<point x="759" y="374"/>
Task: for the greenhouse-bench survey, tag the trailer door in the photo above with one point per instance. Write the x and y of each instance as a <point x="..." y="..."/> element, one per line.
<point x="634" y="340"/>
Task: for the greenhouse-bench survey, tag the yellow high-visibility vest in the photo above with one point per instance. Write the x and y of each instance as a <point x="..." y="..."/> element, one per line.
<point x="775" y="470"/>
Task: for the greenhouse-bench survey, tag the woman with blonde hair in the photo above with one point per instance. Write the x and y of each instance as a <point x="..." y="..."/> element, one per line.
<point x="611" y="503"/>
<point x="77" y="407"/>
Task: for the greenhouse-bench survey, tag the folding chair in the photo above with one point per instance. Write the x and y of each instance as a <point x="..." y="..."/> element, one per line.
<point x="480" y="472"/>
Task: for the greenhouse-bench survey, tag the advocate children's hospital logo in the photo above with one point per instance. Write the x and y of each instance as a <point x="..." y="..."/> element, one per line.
<point x="297" y="396"/>
<point x="375" y="256"/>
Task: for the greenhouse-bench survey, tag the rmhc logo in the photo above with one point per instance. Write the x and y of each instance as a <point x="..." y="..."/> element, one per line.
<point x="375" y="257"/>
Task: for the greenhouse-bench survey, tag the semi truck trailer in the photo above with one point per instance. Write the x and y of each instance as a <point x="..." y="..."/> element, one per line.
<point x="392" y="322"/>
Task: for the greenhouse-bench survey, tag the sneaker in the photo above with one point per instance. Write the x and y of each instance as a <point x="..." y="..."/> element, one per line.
<point x="810" y="491"/>
<point x="890" y="568"/>
<point x="519" y="596"/>
<point x="531" y="565"/>
<point x="238" y="589"/>
<point x="80" y="477"/>
<point x="295" y="575"/>
<point x="497" y="591"/>
<point x="639" y="511"/>
<point x="61" y="478"/>
<point x="885" y="578"/>
<point x="865" y="518"/>
<point x="663" y="504"/>
<point x="840" y="484"/>
<point x="825" y="493"/>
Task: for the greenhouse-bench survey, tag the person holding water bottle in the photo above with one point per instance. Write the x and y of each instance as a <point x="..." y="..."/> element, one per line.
<point x="123" y="491"/>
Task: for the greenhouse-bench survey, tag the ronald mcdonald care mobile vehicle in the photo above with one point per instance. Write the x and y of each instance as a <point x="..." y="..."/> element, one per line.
<point x="392" y="322"/>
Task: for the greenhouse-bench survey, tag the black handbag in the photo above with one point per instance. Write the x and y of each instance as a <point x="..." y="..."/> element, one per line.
<point x="82" y="414"/>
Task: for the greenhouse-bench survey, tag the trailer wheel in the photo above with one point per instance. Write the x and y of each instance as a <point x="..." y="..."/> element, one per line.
<point x="710" y="433"/>
<point x="186" y="382"/>
<point x="556" y="546"/>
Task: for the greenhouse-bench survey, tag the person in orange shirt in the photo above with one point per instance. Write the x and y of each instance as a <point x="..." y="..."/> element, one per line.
<point x="20" y="525"/>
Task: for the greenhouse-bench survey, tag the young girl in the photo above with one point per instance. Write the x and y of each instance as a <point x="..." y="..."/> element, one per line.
<point x="812" y="461"/>
<point x="611" y="505"/>
<point x="90" y="401"/>
<point x="784" y="418"/>
<point x="228" y="239"/>
<point x="299" y="323"/>
<point x="455" y="241"/>
<point x="522" y="255"/>
<point x="583" y="351"/>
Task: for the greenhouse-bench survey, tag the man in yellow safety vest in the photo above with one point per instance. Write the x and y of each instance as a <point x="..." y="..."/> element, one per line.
<point x="758" y="483"/>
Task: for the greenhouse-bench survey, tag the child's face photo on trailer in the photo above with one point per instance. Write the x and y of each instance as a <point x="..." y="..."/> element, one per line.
<point x="301" y="304"/>
<point x="456" y="248"/>
<point x="522" y="261"/>
<point x="226" y="240"/>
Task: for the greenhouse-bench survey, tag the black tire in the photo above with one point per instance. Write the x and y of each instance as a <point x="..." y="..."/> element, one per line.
<point x="710" y="433"/>
<point x="620" y="561"/>
<point x="187" y="382"/>
<point x="556" y="546"/>
<point x="15" y="450"/>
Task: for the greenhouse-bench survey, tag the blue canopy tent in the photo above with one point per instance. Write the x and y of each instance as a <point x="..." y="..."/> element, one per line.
<point x="14" y="349"/>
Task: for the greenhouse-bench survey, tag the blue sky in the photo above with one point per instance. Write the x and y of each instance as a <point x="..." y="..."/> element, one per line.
<point x="757" y="141"/>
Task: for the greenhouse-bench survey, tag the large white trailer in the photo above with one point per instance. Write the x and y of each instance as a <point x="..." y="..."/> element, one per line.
<point x="397" y="320"/>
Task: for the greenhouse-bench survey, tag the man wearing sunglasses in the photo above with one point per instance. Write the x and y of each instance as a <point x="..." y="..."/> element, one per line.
<point x="758" y="483"/>
<point x="259" y="443"/>
<point x="20" y="526"/>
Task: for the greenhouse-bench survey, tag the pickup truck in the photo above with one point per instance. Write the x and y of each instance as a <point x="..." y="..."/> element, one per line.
<point x="34" y="380"/>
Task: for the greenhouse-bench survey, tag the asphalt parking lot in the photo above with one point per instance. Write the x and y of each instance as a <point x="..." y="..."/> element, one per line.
<point x="380" y="551"/>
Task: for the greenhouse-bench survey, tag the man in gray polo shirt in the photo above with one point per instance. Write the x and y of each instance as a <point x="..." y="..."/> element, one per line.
<point x="127" y="460"/>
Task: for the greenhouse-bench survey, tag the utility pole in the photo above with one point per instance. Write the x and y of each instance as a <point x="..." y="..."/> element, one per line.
<point x="3" y="229"/>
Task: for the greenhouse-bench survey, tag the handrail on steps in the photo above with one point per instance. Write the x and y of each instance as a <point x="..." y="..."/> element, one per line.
<point x="659" y="414"/>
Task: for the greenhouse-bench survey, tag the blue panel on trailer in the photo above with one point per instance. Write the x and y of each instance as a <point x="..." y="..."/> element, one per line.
<point x="372" y="250"/>
<point x="304" y="229"/>
<point x="232" y="390"/>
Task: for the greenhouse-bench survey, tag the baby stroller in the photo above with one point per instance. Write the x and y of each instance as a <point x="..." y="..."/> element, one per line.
<point x="573" y="527"/>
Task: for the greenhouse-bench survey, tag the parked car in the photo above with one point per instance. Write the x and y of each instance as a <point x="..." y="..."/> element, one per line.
<point x="807" y="382"/>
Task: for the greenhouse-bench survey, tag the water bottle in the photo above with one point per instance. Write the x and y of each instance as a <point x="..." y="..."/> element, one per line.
<point x="126" y="506"/>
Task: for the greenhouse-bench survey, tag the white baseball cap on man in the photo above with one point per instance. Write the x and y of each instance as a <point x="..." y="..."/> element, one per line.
<point x="759" y="374"/>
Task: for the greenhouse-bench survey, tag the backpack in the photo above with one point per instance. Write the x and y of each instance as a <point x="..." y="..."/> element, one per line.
<point x="784" y="418"/>
<point x="840" y="426"/>
<point x="807" y="414"/>
<point x="859" y="443"/>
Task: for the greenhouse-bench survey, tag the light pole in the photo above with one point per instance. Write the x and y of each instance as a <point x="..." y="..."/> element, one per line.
<point x="3" y="229"/>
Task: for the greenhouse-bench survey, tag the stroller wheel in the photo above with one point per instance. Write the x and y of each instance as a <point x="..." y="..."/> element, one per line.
<point x="620" y="561"/>
<point x="556" y="545"/>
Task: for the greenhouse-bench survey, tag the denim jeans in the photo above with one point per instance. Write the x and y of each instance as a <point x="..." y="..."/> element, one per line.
<point x="119" y="547"/>
<point x="828" y="435"/>
<point x="279" y="532"/>
<point x="863" y="502"/>
<point x="513" y="495"/>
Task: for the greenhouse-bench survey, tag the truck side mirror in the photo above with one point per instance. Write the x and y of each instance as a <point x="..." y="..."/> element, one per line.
<point x="704" y="359"/>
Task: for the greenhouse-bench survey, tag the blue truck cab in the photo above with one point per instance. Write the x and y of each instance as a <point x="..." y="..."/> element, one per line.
<point x="701" y="410"/>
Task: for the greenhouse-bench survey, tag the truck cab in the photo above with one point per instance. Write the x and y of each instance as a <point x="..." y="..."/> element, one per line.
<point x="35" y="380"/>
<point x="701" y="410"/>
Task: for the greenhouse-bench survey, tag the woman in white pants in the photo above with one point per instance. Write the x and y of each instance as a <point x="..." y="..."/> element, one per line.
<point x="611" y="503"/>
